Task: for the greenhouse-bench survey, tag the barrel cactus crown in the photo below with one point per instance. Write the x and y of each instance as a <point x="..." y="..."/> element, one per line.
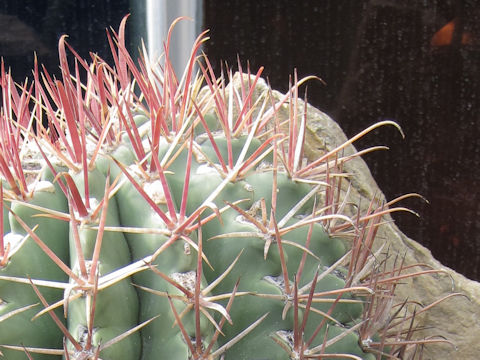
<point x="150" y="216"/>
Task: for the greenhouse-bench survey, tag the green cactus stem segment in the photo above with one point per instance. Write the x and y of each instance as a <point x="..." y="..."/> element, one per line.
<point x="177" y="218"/>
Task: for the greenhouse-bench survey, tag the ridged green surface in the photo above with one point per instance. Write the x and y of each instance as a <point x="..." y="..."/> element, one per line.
<point x="121" y="306"/>
<point x="211" y="234"/>
<point x="30" y="262"/>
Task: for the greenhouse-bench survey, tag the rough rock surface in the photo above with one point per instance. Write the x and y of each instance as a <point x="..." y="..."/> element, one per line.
<point x="457" y="318"/>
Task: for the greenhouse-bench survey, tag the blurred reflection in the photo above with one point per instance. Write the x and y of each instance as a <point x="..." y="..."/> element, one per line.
<point x="445" y="36"/>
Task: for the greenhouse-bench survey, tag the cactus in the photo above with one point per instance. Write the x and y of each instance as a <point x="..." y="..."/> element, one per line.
<point x="158" y="217"/>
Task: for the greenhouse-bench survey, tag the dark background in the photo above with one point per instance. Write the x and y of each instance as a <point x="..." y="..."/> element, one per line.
<point x="378" y="62"/>
<point x="36" y="25"/>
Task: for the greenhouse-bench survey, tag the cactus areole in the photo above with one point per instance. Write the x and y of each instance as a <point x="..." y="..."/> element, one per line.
<point x="150" y="216"/>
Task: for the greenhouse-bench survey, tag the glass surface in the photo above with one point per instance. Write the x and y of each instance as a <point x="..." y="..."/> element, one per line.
<point x="379" y="58"/>
<point x="36" y="25"/>
<point x="383" y="59"/>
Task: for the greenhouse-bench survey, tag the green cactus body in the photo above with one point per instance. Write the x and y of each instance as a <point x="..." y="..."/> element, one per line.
<point x="42" y="332"/>
<point x="160" y="335"/>
<point x="27" y="261"/>
<point x="50" y="231"/>
<point x="116" y="307"/>
<point x="214" y="239"/>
